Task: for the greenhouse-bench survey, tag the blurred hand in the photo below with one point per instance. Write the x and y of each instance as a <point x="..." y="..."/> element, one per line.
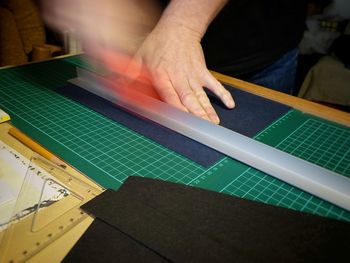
<point x="128" y="38"/>
<point x="118" y="25"/>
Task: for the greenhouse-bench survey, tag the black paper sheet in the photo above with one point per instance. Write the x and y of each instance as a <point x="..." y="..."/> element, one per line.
<point x="183" y="224"/>
<point x="103" y="243"/>
<point x="251" y="115"/>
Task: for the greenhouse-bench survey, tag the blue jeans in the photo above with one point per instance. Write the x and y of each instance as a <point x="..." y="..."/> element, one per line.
<point x="280" y="75"/>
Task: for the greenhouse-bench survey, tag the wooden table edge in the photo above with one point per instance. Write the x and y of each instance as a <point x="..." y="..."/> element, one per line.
<point x="303" y="105"/>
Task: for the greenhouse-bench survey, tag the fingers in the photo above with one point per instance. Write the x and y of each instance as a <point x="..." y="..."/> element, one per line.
<point x="215" y="86"/>
<point x="186" y="95"/>
<point x="203" y="102"/>
<point x="52" y="14"/>
<point x="134" y="68"/>
<point x="167" y="92"/>
<point x="192" y="96"/>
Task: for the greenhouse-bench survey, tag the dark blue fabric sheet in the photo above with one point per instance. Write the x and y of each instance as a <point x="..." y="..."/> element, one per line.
<point x="251" y="115"/>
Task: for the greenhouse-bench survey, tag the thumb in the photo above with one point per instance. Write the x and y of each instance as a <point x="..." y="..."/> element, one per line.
<point x="138" y="77"/>
<point x="134" y="68"/>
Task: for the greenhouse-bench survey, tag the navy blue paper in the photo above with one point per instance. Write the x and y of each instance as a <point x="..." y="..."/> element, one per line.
<point x="251" y="115"/>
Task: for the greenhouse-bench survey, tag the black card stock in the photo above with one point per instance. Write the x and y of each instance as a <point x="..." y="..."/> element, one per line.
<point x="251" y="115"/>
<point x="154" y="219"/>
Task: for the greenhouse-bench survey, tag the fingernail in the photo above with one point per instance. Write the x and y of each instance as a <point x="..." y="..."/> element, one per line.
<point x="229" y="102"/>
<point x="214" y="118"/>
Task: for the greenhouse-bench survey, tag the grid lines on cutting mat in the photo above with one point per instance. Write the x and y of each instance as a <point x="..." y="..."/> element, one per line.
<point x="322" y="144"/>
<point x="318" y="142"/>
<point x="113" y="148"/>
<point x="121" y="152"/>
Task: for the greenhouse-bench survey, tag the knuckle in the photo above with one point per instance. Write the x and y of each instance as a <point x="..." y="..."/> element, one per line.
<point x="200" y="94"/>
<point x="186" y="95"/>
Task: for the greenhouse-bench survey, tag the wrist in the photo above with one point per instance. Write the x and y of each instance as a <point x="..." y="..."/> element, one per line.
<point x="175" y="27"/>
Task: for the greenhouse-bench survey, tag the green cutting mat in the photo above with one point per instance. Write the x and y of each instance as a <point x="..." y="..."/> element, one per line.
<point x="109" y="152"/>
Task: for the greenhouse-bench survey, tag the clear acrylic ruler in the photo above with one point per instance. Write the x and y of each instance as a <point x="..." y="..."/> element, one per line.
<point x="309" y="177"/>
<point x="4" y="116"/>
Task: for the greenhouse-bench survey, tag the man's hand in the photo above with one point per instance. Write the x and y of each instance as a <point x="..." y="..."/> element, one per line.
<point x="173" y="55"/>
<point x="118" y="25"/>
<point x="117" y="33"/>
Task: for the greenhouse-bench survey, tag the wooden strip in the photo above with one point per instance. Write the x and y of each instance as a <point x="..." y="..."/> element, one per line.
<point x="303" y="105"/>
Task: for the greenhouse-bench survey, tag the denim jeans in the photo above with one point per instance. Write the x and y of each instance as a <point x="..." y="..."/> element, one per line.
<point x="280" y="75"/>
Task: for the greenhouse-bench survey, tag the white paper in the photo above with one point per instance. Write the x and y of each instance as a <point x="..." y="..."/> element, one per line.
<point x="18" y="176"/>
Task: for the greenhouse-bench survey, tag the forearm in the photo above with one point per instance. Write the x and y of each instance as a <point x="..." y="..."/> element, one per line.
<point x="195" y="15"/>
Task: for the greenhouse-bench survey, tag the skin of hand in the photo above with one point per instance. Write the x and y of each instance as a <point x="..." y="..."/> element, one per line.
<point x="170" y="57"/>
<point x="173" y="55"/>
<point x="118" y="25"/>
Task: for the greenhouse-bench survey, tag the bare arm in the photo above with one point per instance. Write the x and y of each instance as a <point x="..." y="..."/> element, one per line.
<point x="170" y="56"/>
<point x="196" y="15"/>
